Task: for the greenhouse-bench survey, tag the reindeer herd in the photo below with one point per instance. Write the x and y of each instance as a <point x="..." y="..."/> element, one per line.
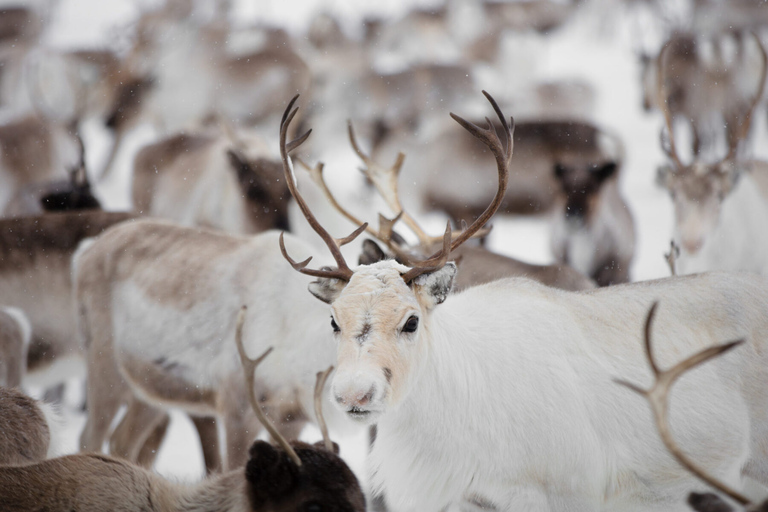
<point x="486" y="382"/>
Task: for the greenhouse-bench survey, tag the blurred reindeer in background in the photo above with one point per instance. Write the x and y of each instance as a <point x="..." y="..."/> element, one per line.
<point x="183" y="71"/>
<point x="593" y="229"/>
<point x="721" y="207"/>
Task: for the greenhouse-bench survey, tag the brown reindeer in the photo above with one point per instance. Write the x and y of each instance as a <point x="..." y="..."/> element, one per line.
<point x="56" y="196"/>
<point x="292" y="477"/>
<point x="478" y="264"/>
<point x="33" y="150"/>
<point x="25" y="427"/>
<point x="447" y="179"/>
<point x="593" y="230"/>
<point x="35" y="269"/>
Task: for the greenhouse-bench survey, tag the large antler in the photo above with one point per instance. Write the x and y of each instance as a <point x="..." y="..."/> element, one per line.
<point x="490" y="138"/>
<point x="385" y="233"/>
<point x="386" y="180"/>
<point x="746" y="123"/>
<point x="658" y="395"/>
<point x="249" y="368"/>
<point x="662" y="100"/>
<point x="343" y="272"/>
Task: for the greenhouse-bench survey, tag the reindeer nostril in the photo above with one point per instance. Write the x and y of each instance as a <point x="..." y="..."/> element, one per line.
<point x="339" y="399"/>
<point x="368" y="396"/>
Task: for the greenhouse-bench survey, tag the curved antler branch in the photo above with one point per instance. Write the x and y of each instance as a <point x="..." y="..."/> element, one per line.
<point x="249" y="369"/>
<point x="343" y="271"/>
<point x="658" y="395"/>
<point x="661" y="98"/>
<point x="319" y="385"/>
<point x="490" y="138"/>
<point x="743" y="130"/>
<point x="385" y="232"/>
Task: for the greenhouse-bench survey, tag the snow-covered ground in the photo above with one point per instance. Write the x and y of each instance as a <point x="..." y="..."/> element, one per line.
<point x="596" y="48"/>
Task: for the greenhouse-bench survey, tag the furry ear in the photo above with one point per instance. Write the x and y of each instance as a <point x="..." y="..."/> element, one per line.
<point x="433" y="288"/>
<point x="270" y="473"/>
<point x="326" y="289"/>
<point x="371" y="253"/>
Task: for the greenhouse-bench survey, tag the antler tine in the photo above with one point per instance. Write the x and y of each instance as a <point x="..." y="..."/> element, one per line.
<point x="433" y="263"/>
<point x="490" y="138"/>
<point x="671" y="257"/>
<point x="334" y="245"/>
<point x="733" y="145"/>
<point x="249" y="368"/>
<point x="319" y="385"/>
<point x="661" y="99"/>
<point x="384" y="234"/>
<point x="658" y="394"/>
<point x="386" y="182"/>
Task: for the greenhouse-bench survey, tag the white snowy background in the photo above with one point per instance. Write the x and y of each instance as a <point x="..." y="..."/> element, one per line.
<point x="597" y="47"/>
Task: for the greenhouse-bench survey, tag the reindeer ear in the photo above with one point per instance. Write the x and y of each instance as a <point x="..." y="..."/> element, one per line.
<point x="371" y="253"/>
<point x="271" y="474"/>
<point x="326" y="289"/>
<point x="433" y="288"/>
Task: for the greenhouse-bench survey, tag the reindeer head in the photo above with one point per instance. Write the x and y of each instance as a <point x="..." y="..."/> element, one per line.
<point x="295" y="476"/>
<point x="261" y="181"/>
<point x="699" y="189"/>
<point x="380" y="312"/>
<point x="580" y="185"/>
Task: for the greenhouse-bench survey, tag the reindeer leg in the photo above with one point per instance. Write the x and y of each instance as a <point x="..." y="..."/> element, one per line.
<point x="148" y="452"/>
<point x="209" y="440"/>
<point x="136" y="427"/>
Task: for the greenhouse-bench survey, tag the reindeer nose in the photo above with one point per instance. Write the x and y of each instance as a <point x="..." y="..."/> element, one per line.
<point x="359" y="399"/>
<point x="692" y="245"/>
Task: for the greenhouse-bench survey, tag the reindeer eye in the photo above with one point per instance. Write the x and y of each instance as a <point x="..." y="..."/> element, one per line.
<point x="335" y="325"/>
<point x="411" y="325"/>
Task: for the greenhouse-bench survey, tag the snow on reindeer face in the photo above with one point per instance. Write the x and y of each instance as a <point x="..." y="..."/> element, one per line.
<point x="378" y="320"/>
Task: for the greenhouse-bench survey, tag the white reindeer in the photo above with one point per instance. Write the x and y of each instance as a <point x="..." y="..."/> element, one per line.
<point x="501" y="395"/>
<point x="720" y="208"/>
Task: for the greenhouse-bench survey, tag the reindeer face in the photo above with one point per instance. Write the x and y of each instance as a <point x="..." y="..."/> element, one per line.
<point x="378" y="321"/>
<point x="697" y="195"/>
<point x="580" y="185"/>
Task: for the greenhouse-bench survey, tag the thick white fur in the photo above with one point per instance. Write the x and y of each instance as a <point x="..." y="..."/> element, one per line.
<point x="198" y="341"/>
<point x="739" y="240"/>
<point x="511" y="397"/>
